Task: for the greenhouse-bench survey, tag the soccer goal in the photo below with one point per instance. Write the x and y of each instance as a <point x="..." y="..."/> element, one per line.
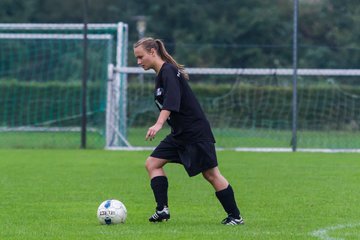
<point x="251" y="109"/>
<point x="40" y="84"/>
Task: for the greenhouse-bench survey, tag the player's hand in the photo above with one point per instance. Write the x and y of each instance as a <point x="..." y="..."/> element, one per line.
<point x="150" y="135"/>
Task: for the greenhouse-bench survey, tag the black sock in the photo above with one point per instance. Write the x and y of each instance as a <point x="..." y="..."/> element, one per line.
<point x="159" y="186"/>
<point x="227" y="200"/>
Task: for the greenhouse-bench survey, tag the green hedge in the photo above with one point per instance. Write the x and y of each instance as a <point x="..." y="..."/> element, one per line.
<point x="255" y="106"/>
<point x="54" y="103"/>
<point x="252" y="106"/>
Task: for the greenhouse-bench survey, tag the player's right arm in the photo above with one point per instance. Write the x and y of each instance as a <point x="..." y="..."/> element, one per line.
<point x="152" y="131"/>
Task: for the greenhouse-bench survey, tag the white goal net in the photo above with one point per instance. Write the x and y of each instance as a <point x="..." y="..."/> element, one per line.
<point x="251" y="109"/>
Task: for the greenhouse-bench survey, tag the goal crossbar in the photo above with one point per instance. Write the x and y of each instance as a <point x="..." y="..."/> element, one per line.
<point x="56" y="26"/>
<point x="63" y="36"/>
<point x="253" y="71"/>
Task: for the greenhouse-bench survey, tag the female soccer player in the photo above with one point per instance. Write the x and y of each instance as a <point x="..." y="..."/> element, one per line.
<point x="190" y="143"/>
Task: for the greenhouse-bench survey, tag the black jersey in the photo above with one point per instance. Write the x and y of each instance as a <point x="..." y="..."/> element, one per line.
<point x="187" y="119"/>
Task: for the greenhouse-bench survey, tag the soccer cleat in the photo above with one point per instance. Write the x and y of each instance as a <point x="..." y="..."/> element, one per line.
<point x="160" y="216"/>
<point x="232" y="221"/>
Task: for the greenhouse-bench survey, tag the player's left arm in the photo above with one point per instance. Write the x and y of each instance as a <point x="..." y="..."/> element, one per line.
<point x="163" y="116"/>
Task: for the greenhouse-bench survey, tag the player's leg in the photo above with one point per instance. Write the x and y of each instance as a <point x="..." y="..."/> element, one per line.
<point x="159" y="185"/>
<point x="214" y="177"/>
<point x="225" y="195"/>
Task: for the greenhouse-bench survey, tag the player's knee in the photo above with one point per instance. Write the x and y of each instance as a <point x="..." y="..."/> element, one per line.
<point x="213" y="175"/>
<point x="209" y="176"/>
<point x="149" y="164"/>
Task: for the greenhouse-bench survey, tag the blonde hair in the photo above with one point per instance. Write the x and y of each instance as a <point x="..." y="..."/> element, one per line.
<point x="158" y="45"/>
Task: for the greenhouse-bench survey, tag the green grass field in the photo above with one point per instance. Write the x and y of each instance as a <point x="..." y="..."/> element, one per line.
<point x="54" y="194"/>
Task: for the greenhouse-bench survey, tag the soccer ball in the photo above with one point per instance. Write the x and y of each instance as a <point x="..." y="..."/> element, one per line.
<point x="111" y="212"/>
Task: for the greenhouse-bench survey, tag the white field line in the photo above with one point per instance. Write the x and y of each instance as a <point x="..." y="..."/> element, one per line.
<point x="323" y="233"/>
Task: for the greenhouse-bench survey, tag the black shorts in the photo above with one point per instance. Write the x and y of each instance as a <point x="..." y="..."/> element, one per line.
<point x="195" y="157"/>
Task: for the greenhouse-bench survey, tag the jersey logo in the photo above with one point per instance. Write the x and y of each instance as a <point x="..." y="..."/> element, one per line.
<point x="159" y="91"/>
<point x="178" y="74"/>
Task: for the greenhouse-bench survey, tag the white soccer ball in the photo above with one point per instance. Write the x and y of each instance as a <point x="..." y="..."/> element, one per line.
<point x="111" y="212"/>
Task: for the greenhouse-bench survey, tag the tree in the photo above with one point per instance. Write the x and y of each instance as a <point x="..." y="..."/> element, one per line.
<point x="227" y="33"/>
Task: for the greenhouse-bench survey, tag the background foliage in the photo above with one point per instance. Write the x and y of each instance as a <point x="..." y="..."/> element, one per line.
<point x="256" y="106"/>
<point x="212" y="33"/>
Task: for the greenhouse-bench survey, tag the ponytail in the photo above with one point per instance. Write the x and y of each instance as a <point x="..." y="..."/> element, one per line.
<point x="158" y="45"/>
